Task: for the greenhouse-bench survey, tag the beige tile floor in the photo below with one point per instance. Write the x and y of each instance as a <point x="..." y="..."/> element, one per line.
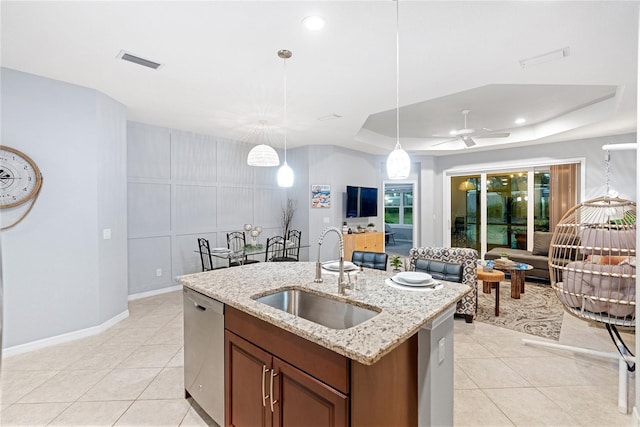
<point x="131" y="375"/>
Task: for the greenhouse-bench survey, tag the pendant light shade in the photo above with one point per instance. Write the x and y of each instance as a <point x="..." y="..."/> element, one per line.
<point x="263" y="155"/>
<point x="398" y="162"/>
<point x="285" y="173"/>
<point x="285" y="176"/>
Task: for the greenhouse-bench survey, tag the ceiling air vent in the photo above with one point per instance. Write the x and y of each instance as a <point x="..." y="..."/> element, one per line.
<point x="137" y="60"/>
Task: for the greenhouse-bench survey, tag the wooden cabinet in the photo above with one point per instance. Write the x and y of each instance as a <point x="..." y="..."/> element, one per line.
<point x="310" y="385"/>
<point x="267" y="391"/>
<point x="372" y="241"/>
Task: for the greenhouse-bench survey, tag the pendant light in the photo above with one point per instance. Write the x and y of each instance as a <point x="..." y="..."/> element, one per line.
<point x="263" y="155"/>
<point x="285" y="173"/>
<point x="398" y="162"/>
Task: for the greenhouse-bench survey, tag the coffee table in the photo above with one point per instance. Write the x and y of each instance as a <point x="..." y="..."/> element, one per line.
<point x="517" y="272"/>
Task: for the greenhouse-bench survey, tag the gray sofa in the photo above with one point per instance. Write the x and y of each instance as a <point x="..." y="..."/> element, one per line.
<point x="538" y="258"/>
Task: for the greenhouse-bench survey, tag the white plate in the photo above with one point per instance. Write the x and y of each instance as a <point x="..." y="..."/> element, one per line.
<point x="414" y="277"/>
<point x="393" y="284"/>
<point x="402" y="282"/>
<point x="220" y="250"/>
<point x="335" y="266"/>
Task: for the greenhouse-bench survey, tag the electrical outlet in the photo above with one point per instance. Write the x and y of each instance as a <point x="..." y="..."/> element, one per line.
<point x="326" y="220"/>
<point x="158" y="272"/>
<point x="106" y="233"/>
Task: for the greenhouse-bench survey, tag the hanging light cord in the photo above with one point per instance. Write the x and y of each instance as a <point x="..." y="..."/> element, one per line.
<point x="607" y="171"/>
<point x="397" y="73"/>
<point x="284" y="124"/>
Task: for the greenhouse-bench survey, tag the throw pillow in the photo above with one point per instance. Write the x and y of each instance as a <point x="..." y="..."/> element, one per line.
<point x="541" y="242"/>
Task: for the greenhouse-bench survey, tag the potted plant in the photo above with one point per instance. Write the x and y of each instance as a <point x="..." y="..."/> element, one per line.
<point x="396" y="263"/>
<point x="371" y="226"/>
<point x="359" y="227"/>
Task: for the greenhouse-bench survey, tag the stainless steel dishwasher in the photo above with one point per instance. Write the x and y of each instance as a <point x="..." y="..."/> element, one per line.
<point x="204" y="352"/>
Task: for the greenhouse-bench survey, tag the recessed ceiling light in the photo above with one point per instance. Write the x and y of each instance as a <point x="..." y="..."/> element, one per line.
<point x="314" y="22"/>
<point x="520" y="120"/>
<point x="545" y="57"/>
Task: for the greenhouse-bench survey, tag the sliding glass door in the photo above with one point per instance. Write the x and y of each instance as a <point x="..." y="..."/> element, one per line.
<point x="499" y="209"/>
<point x="465" y="211"/>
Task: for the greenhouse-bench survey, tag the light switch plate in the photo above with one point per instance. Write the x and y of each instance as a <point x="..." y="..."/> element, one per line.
<point x="326" y="220"/>
<point x="158" y="272"/>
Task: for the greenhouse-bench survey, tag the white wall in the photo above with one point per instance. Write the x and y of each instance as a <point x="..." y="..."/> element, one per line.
<point x="338" y="167"/>
<point x="59" y="275"/>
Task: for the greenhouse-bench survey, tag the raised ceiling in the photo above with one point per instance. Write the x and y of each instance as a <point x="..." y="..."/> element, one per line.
<point x="221" y="75"/>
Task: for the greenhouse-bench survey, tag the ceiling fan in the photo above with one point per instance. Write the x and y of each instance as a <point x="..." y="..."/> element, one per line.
<point x="467" y="134"/>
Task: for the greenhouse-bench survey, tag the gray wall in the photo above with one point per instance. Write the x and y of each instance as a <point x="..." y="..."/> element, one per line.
<point x="59" y="274"/>
<point x="623" y="169"/>
<point x="182" y="186"/>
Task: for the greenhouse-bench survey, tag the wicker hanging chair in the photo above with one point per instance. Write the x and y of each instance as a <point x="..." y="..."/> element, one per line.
<point x="592" y="259"/>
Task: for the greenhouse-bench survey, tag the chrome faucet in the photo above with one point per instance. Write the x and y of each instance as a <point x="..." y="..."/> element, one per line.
<point x="341" y="283"/>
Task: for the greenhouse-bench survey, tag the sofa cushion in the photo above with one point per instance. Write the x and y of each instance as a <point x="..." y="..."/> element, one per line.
<point x="541" y="242"/>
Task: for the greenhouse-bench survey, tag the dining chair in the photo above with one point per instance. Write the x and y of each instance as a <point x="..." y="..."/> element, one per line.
<point x="236" y="242"/>
<point x="205" y="254"/>
<point x="294" y="237"/>
<point x="276" y="251"/>
<point x="377" y="260"/>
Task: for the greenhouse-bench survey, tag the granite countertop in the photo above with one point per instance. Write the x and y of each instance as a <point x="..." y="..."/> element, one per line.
<point x="402" y="312"/>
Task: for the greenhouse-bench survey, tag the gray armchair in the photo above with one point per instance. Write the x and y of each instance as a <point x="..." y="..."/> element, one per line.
<point x="441" y="258"/>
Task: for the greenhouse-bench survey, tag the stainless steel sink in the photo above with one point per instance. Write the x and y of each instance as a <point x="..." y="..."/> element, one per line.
<point x="319" y="309"/>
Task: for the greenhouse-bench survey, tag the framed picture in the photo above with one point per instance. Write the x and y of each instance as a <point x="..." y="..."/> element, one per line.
<point x="320" y="196"/>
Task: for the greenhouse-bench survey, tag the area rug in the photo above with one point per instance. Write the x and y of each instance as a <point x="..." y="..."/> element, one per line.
<point x="537" y="312"/>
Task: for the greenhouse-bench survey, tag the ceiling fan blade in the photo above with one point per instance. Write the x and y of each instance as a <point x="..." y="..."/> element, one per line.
<point x="468" y="141"/>
<point x="444" y="142"/>
<point x="494" y="135"/>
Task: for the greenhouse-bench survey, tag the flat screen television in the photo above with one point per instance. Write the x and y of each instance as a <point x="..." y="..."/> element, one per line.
<point x="353" y="195"/>
<point x="361" y="202"/>
<point x="368" y="201"/>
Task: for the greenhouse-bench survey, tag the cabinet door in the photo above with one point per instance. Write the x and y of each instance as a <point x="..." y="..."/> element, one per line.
<point x="374" y="241"/>
<point x="349" y="245"/>
<point x="247" y="380"/>
<point x="301" y="400"/>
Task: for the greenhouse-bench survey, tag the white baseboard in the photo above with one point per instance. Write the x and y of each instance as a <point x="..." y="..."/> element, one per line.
<point x="636" y="417"/>
<point x="154" y="292"/>
<point x="59" y="339"/>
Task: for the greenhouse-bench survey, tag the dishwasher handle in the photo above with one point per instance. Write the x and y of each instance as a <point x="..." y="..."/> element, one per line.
<point x="203" y="303"/>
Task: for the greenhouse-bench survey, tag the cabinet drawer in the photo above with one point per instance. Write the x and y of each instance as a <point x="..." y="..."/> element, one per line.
<point x="325" y="365"/>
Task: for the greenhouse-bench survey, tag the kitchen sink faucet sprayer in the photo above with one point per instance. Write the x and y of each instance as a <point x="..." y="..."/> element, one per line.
<point x="341" y="283"/>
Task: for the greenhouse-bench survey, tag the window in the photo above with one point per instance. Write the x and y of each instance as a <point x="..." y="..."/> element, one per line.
<point x="398" y="204"/>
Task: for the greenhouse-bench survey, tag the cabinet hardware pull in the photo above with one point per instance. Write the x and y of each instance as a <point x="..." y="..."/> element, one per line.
<point x="264" y="396"/>
<point x="273" y="402"/>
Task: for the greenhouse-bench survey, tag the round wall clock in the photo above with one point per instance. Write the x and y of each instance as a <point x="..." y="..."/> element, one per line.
<point x="20" y="180"/>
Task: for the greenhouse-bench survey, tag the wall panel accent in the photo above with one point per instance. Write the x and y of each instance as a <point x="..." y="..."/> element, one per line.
<point x="150" y="254"/>
<point x="193" y="157"/>
<point x="148" y="152"/>
<point x="182" y="186"/>
<point x="194" y="208"/>
<point x="236" y="207"/>
<point x="149" y="209"/>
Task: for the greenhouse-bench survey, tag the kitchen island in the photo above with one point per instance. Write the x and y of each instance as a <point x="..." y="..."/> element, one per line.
<point x="381" y="369"/>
